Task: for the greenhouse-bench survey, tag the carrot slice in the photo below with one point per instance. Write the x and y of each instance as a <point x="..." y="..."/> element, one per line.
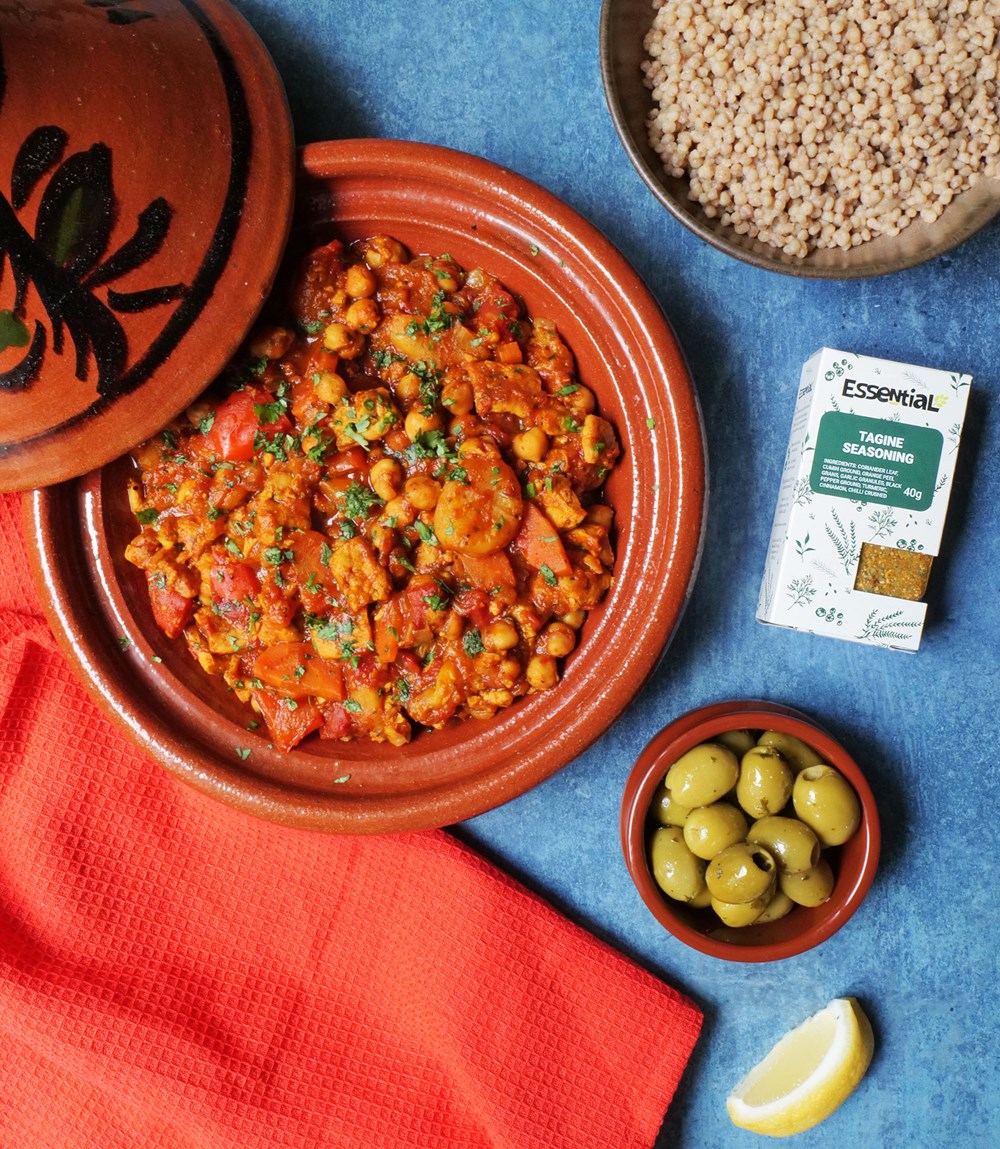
<point x="295" y="670"/>
<point x="538" y="542"/>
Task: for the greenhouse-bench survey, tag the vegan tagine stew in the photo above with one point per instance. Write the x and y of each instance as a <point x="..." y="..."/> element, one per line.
<point x="389" y="514"/>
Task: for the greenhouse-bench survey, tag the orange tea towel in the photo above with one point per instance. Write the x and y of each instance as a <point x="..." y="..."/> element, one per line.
<point x="175" y="974"/>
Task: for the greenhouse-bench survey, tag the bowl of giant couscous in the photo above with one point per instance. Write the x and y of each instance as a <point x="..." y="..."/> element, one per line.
<point x="832" y="140"/>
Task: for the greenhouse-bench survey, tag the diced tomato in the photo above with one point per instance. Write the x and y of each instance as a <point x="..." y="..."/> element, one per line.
<point x="365" y="671"/>
<point x="474" y="605"/>
<point x="349" y="462"/>
<point x="415" y="601"/>
<point x="232" y="581"/>
<point x="295" y="670"/>
<point x="171" y="610"/>
<point x="409" y="664"/>
<point x="487" y="571"/>
<point x="317" y="587"/>
<point x="336" y="722"/>
<point x="538" y="542"/>
<point x="237" y="422"/>
<point x="321" y="360"/>
<point x="277" y="602"/>
<point x="288" y="720"/>
<point x="496" y="312"/>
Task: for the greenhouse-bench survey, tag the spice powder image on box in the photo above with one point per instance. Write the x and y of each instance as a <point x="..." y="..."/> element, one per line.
<point x="863" y="498"/>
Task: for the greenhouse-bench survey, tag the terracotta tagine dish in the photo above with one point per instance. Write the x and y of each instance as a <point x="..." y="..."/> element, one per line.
<point x="146" y="173"/>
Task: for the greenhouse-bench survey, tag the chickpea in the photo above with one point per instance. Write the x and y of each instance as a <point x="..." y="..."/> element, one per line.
<point x="329" y="386"/>
<point x="458" y="398"/>
<point x="479" y="446"/>
<point x="407" y="388"/>
<point x="575" y="618"/>
<point x="363" y="315"/>
<point x="336" y="336"/>
<point x="386" y="477"/>
<point x="199" y="410"/>
<point x="270" y="342"/>
<point x="422" y="492"/>
<point x="557" y="639"/>
<point x="581" y="402"/>
<point x="500" y="635"/>
<point x="542" y="672"/>
<point x="359" y="282"/>
<point x="416" y="423"/>
<point x="531" y="445"/>
<point x="453" y="627"/>
<point x="381" y="249"/>
<point x="399" y="512"/>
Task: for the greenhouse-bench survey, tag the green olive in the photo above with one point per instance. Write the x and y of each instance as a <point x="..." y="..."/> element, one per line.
<point x="810" y="888"/>
<point x="777" y="907"/>
<point x="739" y="741"/>
<point x="826" y="801"/>
<point x="664" y="810"/>
<point x="703" y="774"/>
<point x="794" y="845"/>
<point x="795" y="752"/>
<point x="741" y="873"/>
<point x="678" y="873"/>
<point x="701" y="901"/>
<point x="710" y="829"/>
<point x="765" y="782"/>
<point x="739" y="914"/>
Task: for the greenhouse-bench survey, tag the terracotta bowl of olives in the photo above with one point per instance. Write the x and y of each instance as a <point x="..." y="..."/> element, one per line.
<point x="750" y="833"/>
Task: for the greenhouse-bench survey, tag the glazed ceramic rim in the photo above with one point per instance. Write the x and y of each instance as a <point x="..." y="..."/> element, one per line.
<point x="701" y="725"/>
<point x="541" y="734"/>
<point x="968" y="213"/>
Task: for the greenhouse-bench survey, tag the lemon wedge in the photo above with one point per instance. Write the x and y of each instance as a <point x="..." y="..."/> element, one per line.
<point x="808" y="1074"/>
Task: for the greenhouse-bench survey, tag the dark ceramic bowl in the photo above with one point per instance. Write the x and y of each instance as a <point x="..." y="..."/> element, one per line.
<point x="854" y="863"/>
<point x="434" y="200"/>
<point x="624" y="24"/>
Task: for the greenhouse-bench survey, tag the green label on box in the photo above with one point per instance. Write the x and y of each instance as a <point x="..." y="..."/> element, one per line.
<point x="876" y="461"/>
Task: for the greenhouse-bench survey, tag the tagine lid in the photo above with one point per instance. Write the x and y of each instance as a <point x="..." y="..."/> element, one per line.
<point x="147" y="173"/>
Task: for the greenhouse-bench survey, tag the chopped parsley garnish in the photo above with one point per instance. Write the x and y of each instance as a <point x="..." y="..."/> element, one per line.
<point x="148" y="517"/>
<point x="426" y="534"/>
<point x="472" y="642"/>
<point x="436" y="323"/>
<point x="548" y="574"/>
<point x="430" y="445"/>
<point x="385" y="358"/>
<point x="359" y="500"/>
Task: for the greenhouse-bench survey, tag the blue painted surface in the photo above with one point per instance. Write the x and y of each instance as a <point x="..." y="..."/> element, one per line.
<point x="519" y="83"/>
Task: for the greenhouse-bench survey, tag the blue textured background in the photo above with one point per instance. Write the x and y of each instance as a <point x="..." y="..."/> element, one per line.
<point x="518" y="82"/>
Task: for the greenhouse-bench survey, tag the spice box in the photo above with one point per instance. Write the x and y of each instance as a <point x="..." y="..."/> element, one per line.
<point x="863" y="498"/>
